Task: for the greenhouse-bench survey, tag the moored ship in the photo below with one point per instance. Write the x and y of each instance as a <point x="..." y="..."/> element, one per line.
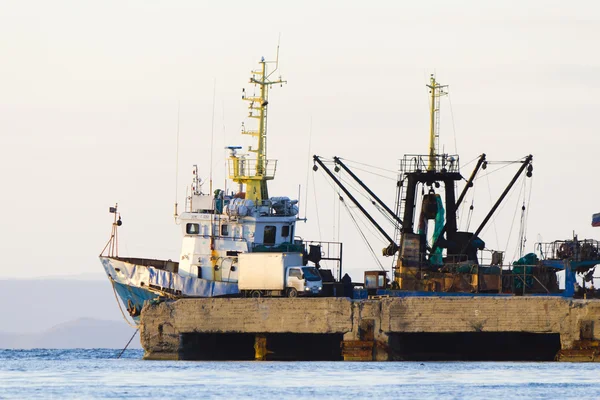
<point x="217" y="226"/>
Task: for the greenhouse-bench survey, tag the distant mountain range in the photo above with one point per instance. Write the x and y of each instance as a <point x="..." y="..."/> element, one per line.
<point x="85" y="333"/>
<point x="61" y="313"/>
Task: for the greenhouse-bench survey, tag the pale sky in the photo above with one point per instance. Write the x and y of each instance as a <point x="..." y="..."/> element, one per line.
<point x="89" y="93"/>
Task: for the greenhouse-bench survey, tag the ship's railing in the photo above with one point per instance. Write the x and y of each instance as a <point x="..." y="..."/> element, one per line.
<point x="420" y="163"/>
<point x="575" y="250"/>
<point x="529" y="279"/>
<point x="491" y="257"/>
<point x="314" y="251"/>
<point x="242" y="167"/>
<point x="329" y="251"/>
<point x="515" y="279"/>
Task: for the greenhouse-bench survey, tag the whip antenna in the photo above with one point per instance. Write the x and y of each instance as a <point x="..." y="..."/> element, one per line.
<point x="175" y="215"/>
<point x="212" y="134"/>
<point x="308" y="168"/>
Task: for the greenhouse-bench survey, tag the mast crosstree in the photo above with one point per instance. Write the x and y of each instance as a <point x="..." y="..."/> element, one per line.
<point x="255" y="172"/>
<point x="436" y="91"/>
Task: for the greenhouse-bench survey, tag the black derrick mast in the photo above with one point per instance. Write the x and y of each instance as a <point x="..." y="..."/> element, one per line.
<point x="435" y="267"/>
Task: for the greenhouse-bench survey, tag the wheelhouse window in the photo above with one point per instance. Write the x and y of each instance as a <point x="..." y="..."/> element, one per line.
<point x="224" y="230"/>
<point x="192" y="229"/>
<point x="269" y="236"/>
<point x="285" y="231"/>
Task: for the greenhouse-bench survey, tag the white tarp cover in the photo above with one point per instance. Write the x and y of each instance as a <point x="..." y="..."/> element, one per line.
<point x="136" y="275"/>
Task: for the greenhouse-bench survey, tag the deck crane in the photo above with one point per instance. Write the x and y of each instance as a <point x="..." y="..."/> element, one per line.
<point x="392" y="247"/>
<point x="436" y="265"/>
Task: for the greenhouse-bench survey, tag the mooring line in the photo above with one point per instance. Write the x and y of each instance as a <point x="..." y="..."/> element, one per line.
<point x="127" y="345"/>
<point x="112" y="281"/>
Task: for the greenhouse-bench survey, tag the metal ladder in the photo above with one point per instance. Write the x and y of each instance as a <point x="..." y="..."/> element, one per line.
<point x="400" y="201"/>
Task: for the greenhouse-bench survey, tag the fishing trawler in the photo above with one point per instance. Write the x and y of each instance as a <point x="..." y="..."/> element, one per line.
<point x="217" y="226"/>
<point x="432" y="256"/>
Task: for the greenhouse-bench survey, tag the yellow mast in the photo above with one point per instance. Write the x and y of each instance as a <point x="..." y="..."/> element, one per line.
<point x="255" y="173"/>
<point x="436" y="91"/>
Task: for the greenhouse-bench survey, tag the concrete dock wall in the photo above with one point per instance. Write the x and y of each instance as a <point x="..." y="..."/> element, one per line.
<point x="491" y="314"/>
<point x="360" y="321"/>
<point x="162" y="324"/>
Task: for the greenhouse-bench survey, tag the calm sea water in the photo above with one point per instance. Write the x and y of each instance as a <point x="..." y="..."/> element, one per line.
<point x="86" y="374"/>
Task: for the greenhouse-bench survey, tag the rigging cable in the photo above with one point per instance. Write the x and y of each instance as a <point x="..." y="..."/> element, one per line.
<point x="499" y="210"/>
<point x="356" y="223"/>
<point x="521" y="243"/>
<point x="504" y="165"/>
<point x="212" y="136"/>
<point x="224" y="145"/>
<point x="466" y="222"/>
<point x="352" y="184"/>
<point x="368" y="165"/>
<point x="456" y="213"/>
<point x="177" y="157"/>
<point x="362" y="235"/>
<point x="520" y="246"/>
<point x="470" y="162"/>
<point x="339" y="222"/>
<point x="335" y="193"/>
<point x="373" y="173"/>
<point x="367" y="227"/>
<point x="308" y="166"/>
<point x="127" y="345"/>
<point x="471" y="194"/>
<point x="371" y="201"/>
<point x="453" y="127"/>
<point x="524" y="217"/>
<point x="394" y="223"/>
<point x="494" y="220"/>
<point x="470" y="215"/>
<point x="316" y="207"/>
<point x="119" y="304"/>
<point x="360" y="190"/>
<point x="513" y="218"/>
<point x="527" y="211"/>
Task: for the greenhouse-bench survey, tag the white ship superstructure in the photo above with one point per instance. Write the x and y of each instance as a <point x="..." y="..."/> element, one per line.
<point x="216" y="226"/>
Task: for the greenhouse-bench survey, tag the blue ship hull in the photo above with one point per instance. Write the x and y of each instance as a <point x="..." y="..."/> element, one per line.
<point x="134" y="298"/>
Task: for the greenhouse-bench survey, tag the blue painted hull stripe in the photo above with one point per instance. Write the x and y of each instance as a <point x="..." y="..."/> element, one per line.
<point x="137" y="296"/>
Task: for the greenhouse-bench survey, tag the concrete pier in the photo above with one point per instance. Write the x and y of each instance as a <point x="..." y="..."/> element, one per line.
<point x="410" y="328"/>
